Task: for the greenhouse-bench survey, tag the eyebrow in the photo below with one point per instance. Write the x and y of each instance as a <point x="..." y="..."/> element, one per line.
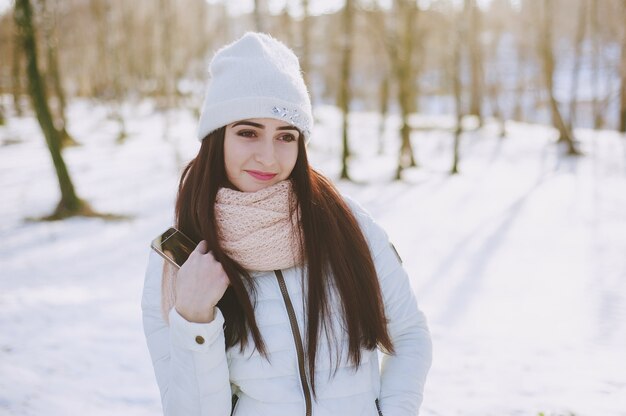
<point x="261" y="126"/>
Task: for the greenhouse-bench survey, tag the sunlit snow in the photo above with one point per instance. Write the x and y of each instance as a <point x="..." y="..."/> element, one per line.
<point x="518" y="262"/>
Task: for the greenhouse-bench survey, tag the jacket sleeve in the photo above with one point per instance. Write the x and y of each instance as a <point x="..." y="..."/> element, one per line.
<point x="403" y="374"/>
<point x="189" y="359"/>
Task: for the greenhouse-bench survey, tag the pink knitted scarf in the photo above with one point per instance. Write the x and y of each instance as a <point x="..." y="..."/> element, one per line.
<point x="255" y="229"/>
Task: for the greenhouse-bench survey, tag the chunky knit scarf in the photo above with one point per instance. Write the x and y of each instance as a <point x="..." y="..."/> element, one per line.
<point x="255" y="229"/>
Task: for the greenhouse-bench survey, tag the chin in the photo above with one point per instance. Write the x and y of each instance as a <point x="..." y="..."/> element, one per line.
<point x="254" y="186"/>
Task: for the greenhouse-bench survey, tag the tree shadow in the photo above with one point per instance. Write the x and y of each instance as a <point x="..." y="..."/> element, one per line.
<point x="465" y="291"/>
<point x="61" y="212"/>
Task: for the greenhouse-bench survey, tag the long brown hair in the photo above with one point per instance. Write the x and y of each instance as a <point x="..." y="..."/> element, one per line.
<point x="331" y="241"/>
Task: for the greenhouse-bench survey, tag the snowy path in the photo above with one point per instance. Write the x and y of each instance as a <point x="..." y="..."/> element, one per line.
<point x="518" y="263"/>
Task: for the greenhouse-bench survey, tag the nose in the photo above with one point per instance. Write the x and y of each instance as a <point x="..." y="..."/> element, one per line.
<point x="265" y="152"/>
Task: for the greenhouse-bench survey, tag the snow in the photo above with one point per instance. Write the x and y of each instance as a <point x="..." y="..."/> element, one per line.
<point x="518" y="262"/>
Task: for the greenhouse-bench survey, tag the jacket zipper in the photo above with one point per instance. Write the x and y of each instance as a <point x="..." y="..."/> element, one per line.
<point x="234" y="400"/>
<point x="297" y="340"/>
<point x="380" y="412"/>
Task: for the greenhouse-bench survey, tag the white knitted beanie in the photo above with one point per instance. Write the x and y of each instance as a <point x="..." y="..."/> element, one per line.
<point x="256" y="76"/>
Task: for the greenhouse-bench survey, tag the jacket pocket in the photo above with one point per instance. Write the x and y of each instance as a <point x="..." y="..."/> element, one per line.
<point x="380" y="413"/>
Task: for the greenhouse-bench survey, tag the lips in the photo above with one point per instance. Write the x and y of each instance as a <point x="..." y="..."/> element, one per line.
<point x="263" y="176"/>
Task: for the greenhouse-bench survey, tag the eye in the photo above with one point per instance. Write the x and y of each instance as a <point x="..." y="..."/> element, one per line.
<point x="288" y="138"/>
<point x="247" y="133"/>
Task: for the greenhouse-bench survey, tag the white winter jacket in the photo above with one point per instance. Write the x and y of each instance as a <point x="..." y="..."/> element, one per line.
<point x="200" y="378"/>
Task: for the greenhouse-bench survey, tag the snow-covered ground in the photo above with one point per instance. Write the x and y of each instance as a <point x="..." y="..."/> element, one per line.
<point x="519" y="262"/>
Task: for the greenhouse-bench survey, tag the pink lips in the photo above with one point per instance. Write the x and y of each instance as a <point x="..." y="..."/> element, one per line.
<point x="261" y="175"/>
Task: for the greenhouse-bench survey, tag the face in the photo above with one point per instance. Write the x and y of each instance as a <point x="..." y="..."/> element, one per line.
<point x="259" y="152"/>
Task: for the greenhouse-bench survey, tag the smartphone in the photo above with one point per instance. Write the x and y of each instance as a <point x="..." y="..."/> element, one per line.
<point x="173" y="246"/>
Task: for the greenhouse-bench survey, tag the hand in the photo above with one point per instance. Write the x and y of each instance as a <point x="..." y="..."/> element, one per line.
<point x="200" y="284"/>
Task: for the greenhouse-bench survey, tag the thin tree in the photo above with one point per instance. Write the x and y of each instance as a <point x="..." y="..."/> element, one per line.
<point x="454" y="75"/>
<point x="16" y="73"/>
<point x="259" y="15"/>
<point x="119" y="64"/>
<point x="598" y="119"/>
<point x="383" y="109"/>
<point x="521" y="86"/>
<point x="578" y="42"/>
<point x="473" y="16"/>
<point x="493" y="81"/>
<point x="2" y="116"/>
<point x="70" y="204"/>
<point x="384" y="72"/>
<point x="167" y="31"/>
<point x="99" y="81"/>
<point x="305" y="33"/>
<point x="406" y="73"/>
<point x="548" y="64"/>
<point x="286" y="29"/>
<point x="399" y="41"/>
<point x="345" y="92"/>
<point x="49" y="19"/>
<point x="622" y="109"/>
<point x="111" y="42"/>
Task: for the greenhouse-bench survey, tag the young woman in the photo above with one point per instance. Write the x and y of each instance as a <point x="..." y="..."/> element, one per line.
<point x="293" y="288"/>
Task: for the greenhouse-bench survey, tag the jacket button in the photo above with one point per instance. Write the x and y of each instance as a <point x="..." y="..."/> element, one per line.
<point x="199" y="340"/>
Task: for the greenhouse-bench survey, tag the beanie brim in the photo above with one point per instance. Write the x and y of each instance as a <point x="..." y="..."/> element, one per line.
<point x="223" y="113"/>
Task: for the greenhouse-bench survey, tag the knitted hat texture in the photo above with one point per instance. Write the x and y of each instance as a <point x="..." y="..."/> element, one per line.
<point x="255" y="76"/>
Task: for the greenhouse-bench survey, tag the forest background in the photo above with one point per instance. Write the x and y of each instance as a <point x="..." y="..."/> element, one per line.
<point x="487" y="137"/>
<point x="549" y="61"/>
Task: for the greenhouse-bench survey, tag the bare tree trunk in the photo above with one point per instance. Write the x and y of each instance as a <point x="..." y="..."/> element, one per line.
<point x="166" y="76"/>
<point x="2" y="110"/>
<point x="286" y="25"/>
<point x="305" y="60"/>
<point x="16" y="74"/>
<point x="100" y="80"/>
<point x="404" y="70"/>
<point x="259" y="15"/>
<point x="622" y="109"/>
<point x="498" y="114"/>
<point x="455" y="78"/>
<point x="54" y="74"/>
<point x="493" y="82"/>
<point x="383" y="109"/>
<point x="116" y="20"/>
<point x="120" y="58"/>
<point x="547" y="57"/>
<point x="345" y="90"/>
<point x="476" y="57"/>
<point x="112" y="39"/>
<point x="166" y="31"/>
<point x="398" y="43"/>
<point x="520" y="89"/>
<point x="70" y="204"/>
<point x="598" y="120"/>
<point x="493" y="91"/>
<point x="578" y="42"/>
<point x="376" y="21"/>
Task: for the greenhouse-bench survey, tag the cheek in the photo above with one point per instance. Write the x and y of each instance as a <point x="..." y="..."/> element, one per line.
<point x="231" y="158"/>
<point x="289" y="155"/>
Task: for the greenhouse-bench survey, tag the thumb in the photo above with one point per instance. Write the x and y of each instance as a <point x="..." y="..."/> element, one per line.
<point x="202" y="247"/>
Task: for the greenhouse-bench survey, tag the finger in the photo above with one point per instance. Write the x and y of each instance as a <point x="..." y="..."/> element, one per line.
<point x="212" y="257"/>
<point x="202" y="247"/>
